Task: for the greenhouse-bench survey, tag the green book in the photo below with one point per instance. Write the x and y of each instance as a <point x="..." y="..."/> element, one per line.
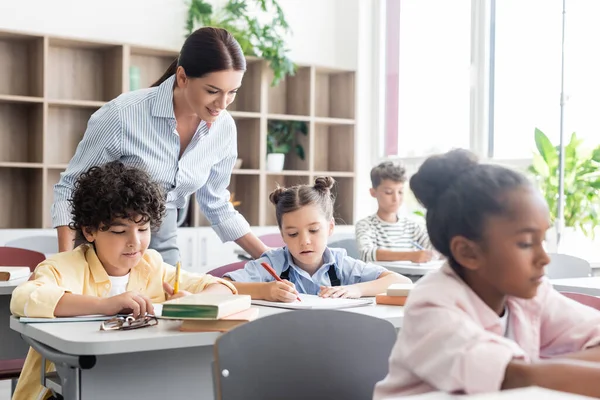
<point x="205" y="306"/>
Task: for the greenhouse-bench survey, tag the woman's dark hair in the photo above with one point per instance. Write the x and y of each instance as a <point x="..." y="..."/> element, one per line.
<point x="291" y="199"/>
<point x="114" y="190"/>
<point x="207" y="50"/>
<point x="459" y="194"/>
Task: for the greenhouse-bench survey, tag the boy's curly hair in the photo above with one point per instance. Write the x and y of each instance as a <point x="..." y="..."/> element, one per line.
<point x="387" y="170"/>
<point x="111" y="191"/>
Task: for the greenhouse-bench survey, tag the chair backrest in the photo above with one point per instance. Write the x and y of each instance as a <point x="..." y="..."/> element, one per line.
<point x="46" y="244"/>
<point x="14" y="257"/>
<point x="348" y="244"/>
<point x="304" y="354"/>
<point x="565" y="266"/>
<point x="219" y="272"/>
<point x="272" y="240"/>
<point x="586" y="299"/>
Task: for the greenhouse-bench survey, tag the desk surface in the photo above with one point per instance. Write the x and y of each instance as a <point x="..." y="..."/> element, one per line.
<point x="408" y="268"/>
<point x="7" y="287"/>
<point x="530" y="393"/>
<point x="85" y="338"/>
<point x="588" y="285"/>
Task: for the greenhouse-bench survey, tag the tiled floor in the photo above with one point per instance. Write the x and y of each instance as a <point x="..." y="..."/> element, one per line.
<point x="4" y="390"/>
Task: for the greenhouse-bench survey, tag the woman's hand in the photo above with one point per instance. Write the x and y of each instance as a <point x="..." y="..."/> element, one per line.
<point x="344" y="292"/>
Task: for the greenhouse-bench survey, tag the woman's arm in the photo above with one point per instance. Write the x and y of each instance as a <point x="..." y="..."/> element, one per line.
<point x="252" y="245"/>
<point x="66" y="238"/>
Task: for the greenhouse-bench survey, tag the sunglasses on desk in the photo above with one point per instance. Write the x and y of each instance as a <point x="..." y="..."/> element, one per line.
<point x="127" y="322"/>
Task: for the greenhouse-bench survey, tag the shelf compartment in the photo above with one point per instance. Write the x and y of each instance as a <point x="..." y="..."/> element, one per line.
<point x="344" y="200"/>
<point x="245" y="189"/>
<point x="334" y="148"/>
<point x="84" y="71"/>
<point x="334" y="94"/>
<point x="292" y="95"/>
<point x="248" y="97"/>
<point x="65" y="129"/>
<point x="248" y="142"/>
<point x="293" y="161"/>
<point x="22" y="198"/>
<point x="21" y="65"/>
<point x="150" y="64"/>
<point x="273" y="181"/>
<point x="21" y="132"/>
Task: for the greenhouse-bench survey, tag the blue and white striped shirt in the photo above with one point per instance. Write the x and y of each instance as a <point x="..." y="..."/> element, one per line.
<point x="139" y="128"/>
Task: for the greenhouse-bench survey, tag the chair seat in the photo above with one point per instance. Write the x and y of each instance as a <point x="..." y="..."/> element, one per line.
<point x="10" y="369"/>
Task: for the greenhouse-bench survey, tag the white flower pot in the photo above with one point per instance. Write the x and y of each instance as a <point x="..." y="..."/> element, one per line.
<point x="275" y="162"/>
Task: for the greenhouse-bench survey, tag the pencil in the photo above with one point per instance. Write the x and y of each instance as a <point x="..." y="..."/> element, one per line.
<point x="274" y="275"/>
<point x="418" y="246"/>
<point x="177" y="273"/>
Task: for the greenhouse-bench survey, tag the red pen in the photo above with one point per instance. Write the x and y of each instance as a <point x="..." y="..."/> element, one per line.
<point x="274" y="275"/>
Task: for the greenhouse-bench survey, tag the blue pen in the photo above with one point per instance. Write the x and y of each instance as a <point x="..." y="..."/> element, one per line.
<point x="418" y="246"/>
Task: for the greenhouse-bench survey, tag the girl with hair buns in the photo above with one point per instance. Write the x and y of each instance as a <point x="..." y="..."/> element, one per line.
<point x="488" y="320"/>
<point x="305" y="264"/>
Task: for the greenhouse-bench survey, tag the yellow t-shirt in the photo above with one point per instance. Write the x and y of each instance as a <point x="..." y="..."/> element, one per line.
<point x="81" y="272"/>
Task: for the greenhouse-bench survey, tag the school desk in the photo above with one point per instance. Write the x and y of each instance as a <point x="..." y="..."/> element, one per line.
<point x="530" y="393"/>
<point x="12" y="345"/>
<point x="587" y="285"/>
<point x="150" y="363"/>
<point x="409" y="268"/>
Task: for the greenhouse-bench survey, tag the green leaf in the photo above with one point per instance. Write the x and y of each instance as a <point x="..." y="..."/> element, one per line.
<point x="545" y="148"/>
<point x="300" y="151"/>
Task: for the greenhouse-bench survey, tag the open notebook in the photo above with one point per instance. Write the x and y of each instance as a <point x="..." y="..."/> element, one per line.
<point x="316" y="302"/>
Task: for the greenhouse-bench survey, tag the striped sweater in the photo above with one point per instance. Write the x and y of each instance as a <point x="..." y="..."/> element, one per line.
<point x="372" y="233"/>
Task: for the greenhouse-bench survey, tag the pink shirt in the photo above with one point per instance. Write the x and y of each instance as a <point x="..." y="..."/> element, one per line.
<point x="452" y="341"/>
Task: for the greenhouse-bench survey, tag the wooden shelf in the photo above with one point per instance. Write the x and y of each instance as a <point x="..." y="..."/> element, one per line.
<point x="292" y="95"/>
<point x="21" y="65"/>
<point x="148" y="65"/>
<point x="21" y="132"/>
<point x="335" y="94"/>
<point x="50" y="86"/>
<point x="22" y="203"/>
<point x="84" y="71"/>
<point x="283" y="179"/>
<point x="64" y="131"/>
<point x="336" y="147"/>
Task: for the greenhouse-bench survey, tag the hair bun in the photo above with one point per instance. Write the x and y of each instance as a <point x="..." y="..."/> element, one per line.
<point x="276" y="194"/>
<point x="324" y="184"/>
<point x="438" y="173"/>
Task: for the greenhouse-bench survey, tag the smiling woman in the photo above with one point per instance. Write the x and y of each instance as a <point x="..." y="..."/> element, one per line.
<point x="180" y="133"/>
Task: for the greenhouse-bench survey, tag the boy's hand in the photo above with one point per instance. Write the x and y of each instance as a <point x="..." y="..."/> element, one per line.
<point x="344" y="292"/>
<point x="422" y="256"/>
<point x="281" y="291"/>
<point x="169" y="291"/>
<point x="127" y="303"/>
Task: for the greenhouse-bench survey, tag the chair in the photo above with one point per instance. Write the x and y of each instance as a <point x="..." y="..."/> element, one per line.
<point x="272" y="240"/>
<point x="11" y="256"/>
<point x="347" y="242"/>
<point x="585" y="299"/>
<point x="220" y="271"/>
<point x="303" y="354"/>
<point x="46" y="244"/>
<point x="565" y="266"/>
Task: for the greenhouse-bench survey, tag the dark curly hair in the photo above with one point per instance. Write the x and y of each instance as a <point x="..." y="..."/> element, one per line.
<point x="111" y="191"/>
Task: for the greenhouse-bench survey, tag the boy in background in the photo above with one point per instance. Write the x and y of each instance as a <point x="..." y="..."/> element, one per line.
<point x="385" y="236"/>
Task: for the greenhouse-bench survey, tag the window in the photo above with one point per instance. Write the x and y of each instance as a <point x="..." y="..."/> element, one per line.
<point x="427" y="77"/>
<point x="527" y="83"/>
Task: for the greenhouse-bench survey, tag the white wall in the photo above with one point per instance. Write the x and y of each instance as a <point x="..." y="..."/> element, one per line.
<point x="160" y="23"/>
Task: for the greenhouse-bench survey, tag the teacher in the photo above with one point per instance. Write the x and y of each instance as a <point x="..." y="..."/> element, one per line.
<point x="179" y="132"/>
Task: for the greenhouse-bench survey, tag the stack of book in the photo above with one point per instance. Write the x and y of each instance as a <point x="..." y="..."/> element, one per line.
<point x="209" y="312"/>
<point x="395" y="295"/>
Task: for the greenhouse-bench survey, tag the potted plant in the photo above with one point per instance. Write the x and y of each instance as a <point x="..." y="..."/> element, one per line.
<point x="281" y="138"/>
<point x="260" y="33"/>
<point x="581" y="184"/>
